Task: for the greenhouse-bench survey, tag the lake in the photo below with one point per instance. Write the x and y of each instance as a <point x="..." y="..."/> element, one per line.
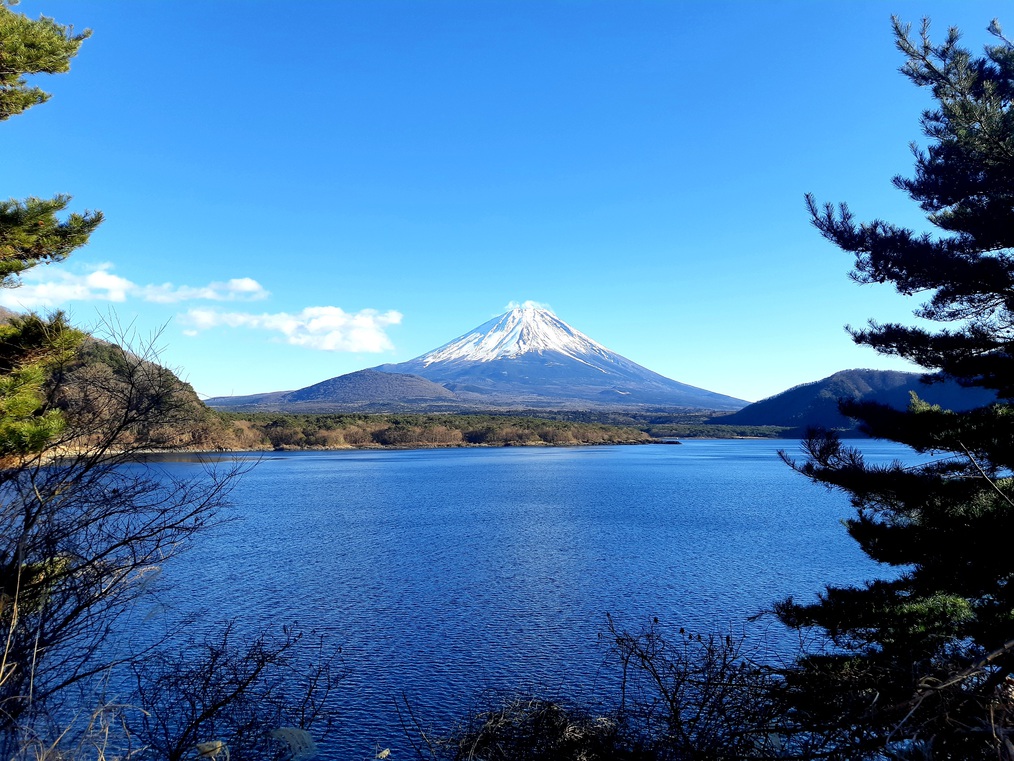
<point x="443" y="573"/>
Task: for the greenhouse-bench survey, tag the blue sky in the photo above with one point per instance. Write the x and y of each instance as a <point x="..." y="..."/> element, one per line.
<point x="298" y="190"/>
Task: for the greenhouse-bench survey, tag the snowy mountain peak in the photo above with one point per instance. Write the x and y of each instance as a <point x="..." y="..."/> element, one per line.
<point x="522" y="330"/>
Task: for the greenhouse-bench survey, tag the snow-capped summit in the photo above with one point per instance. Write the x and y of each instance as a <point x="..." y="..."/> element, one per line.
<point x="522" y="330"/>
<point x="529" y="357"/>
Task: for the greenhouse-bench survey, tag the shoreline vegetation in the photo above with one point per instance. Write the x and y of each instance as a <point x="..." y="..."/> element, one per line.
<point x="276" y="431"/>
<point x="281" y="432"/>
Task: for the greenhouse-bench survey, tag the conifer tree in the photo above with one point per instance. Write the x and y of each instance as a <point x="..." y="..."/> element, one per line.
<point x="82" y="537"/>
<point x="32" y="233"/>
<point x="30" y="47"/>
<point x="921" y="662"/>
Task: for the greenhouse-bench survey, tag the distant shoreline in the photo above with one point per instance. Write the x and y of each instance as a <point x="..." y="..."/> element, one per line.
<point x="393" y="447"/>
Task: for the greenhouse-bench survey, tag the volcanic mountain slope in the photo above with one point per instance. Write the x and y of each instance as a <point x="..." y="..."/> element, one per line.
<point x="529" y="357"/>
<point x="363" y="391"/>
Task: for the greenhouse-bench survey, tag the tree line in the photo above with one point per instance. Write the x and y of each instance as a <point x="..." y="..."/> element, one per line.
<point x="337" y="431"/>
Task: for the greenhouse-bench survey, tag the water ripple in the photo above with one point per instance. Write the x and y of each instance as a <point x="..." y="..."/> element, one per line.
<point x="449" y="572"/>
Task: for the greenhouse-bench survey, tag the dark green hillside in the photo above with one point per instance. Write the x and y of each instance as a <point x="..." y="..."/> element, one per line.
<point x="816" y="404"/>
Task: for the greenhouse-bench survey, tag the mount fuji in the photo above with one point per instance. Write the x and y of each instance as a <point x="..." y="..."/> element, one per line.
<point x="530" y="357"/>
<point x="527" y="358"/>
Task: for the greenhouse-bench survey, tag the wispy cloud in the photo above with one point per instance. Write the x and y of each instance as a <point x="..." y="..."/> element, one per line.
<point x="323" y="328"/>
<point x="53" y="287"/>
<point x="527" y="305"/>
<point x="236" y="289"/>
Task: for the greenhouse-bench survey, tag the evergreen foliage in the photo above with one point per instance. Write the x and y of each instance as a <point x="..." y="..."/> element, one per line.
<point x="83" y="536"/>
<point x="921" y="662"/>
<point x="30" y="230"/>
<point x="285" y="431"/>
<point x="31" y="233"/>
<point x="30" y="348"/>
<point x="31" y="47"/>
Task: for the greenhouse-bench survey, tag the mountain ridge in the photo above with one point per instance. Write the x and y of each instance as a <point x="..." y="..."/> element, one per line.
<point x="815" y="404"/>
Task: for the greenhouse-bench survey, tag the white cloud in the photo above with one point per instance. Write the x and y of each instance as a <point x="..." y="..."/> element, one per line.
<point x="53" y="287"/>
<point x="324" y="328"/>
<point x="321" y="328"/>
<point x="527" y="305"/>
<point x="237" y="289"/>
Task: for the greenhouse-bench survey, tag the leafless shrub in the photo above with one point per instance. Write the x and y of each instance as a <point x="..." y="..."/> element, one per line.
<point x="697" y="696"/>
<point x="527" y="728"/>
<point x="84" y="528"/>
<point x="253" y="696"/>
<point x="681" y="697"/>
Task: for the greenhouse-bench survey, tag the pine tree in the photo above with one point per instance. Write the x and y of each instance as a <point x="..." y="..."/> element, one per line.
<point x="30" y="47"/>
<point x="82" y="537"/>
<point x="921" y="663"/>
<point x="32" y="233"/>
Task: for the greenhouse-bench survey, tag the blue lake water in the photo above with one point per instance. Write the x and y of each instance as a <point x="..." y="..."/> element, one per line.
<point x="443" y="573"/>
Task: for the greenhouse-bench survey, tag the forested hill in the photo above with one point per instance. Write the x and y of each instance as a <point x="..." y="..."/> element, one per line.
<point x="102" y="374"/>
<point x="816" y="404"/>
